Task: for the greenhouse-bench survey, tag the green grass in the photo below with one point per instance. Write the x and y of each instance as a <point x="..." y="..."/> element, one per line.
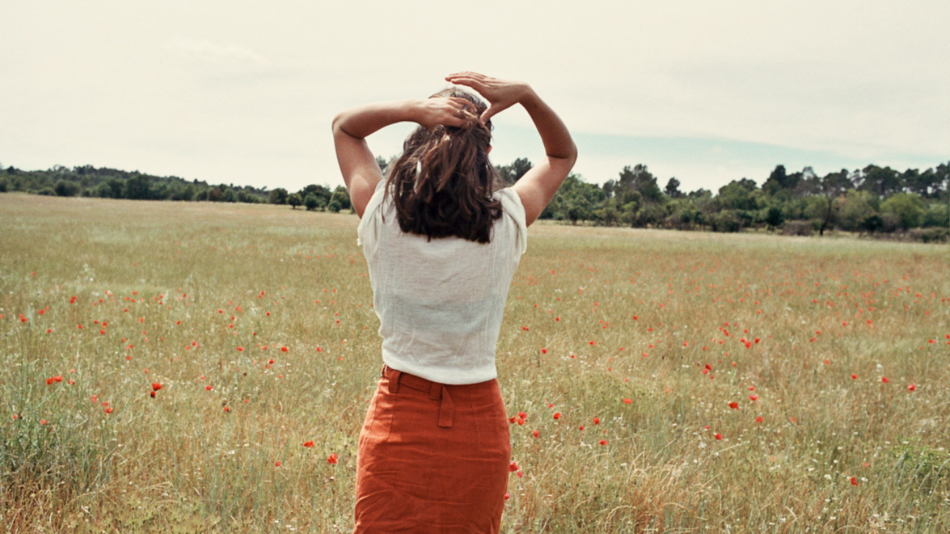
<point x="620" y="314"/>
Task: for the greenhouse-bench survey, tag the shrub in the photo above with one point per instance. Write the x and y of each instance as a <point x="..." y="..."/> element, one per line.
<point x="724" y="221"/>
<point x="66" y="189"/>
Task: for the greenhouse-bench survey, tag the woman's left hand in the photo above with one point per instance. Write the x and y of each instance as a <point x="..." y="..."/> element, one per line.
<point x="447" y="111"/>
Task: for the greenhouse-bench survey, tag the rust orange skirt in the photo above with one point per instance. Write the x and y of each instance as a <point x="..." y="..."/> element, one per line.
<point x="432" y="457"/>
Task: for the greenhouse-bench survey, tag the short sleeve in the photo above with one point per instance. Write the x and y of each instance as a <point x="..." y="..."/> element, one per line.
<point x="367" y="233"/>
<point x="512" y="207"/>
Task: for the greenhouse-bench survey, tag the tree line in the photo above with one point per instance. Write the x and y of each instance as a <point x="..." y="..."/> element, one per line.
<point x="104" y="182"/>
<point x="871" y="200"/>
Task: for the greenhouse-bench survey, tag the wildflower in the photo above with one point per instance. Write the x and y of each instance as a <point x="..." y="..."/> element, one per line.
<point x="602" y="442"/>
<point x="156" y="386"/>
<point x="308" y="444"/>
<point x="557" y="415"/>
<point x="512" y="467"/>
<point x="753" y="398"/>
<point x="854" y="481"/>
<point x="734" y="405"/>
<point x="596" y="420"/>
<point x="718" y="436"/>
<point x="332" y="459"/>
<point x="628" y="401"/>
<point x="912" y="388"/>
<point x="536" y="433"/>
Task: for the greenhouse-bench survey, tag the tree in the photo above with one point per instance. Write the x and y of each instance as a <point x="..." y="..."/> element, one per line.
<point x="320" y="192"/>
<point x="342" y="198"/>
<point x="909" y="208"/>
<point x="514" y="171"/>
<point x="277" y="196"/>
<point x="311" y="202"/>
<point x="138" y="188"/>
<point x="294" y="200"/>
<point x="673" y="188"/>
<point x="65" y="188"/>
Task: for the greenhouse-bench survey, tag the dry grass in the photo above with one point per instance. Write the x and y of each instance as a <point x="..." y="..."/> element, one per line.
<point x="620" y="314"/>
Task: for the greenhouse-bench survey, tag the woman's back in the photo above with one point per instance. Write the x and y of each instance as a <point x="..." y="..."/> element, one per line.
<point x="440" y="302"/>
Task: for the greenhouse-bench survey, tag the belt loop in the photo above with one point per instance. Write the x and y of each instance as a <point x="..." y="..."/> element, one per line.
<point x="446" y="410"/>
<point x="394" y="381"/>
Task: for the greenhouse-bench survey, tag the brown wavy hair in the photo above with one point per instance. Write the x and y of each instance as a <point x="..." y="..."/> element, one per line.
<point x="442" y="184"/>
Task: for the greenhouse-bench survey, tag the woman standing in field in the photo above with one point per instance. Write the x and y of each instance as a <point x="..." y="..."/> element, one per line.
<point x="442" y="243"/>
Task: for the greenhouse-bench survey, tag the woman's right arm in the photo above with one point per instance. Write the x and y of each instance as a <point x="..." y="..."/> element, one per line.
<point x="539" y="185"/>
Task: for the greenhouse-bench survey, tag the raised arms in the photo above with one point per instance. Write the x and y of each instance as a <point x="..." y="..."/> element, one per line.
<point x="538" y="186"/>
<point x="351" y="127"/>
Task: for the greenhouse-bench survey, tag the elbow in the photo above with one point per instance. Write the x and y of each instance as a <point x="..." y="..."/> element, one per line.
<point x="568" y="157"/>
<point x="336" y="125"/>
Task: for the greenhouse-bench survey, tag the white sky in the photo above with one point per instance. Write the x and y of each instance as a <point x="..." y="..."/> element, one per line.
<point x="244" y="92"/>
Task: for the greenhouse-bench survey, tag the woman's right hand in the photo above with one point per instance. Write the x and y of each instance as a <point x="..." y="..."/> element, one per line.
<point x="448" y="111"/>
<point x="501" y="94"/>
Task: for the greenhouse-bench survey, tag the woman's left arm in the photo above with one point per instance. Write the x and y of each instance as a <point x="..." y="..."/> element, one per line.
<point x="351" y="127"/>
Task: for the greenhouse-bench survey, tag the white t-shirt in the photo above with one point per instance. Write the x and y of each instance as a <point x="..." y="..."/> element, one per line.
<point x="440" y="302"/>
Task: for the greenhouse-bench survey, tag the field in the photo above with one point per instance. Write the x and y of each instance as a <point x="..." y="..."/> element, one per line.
<point x="169" y="367"/>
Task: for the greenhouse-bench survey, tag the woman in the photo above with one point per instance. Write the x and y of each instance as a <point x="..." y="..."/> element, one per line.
<point x="442" y="243"/>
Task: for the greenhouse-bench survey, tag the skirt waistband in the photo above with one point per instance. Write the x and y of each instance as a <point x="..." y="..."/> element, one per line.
<point x="435" y="390"/>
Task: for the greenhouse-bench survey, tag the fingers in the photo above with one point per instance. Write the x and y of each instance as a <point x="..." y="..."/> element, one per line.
<point x="489" y="113"/>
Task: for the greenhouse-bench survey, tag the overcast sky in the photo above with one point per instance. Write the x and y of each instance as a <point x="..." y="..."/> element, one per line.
<point x="244" y="92"/>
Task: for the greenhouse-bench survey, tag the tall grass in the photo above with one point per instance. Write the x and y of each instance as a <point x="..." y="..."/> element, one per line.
<point x="625" y="326"/>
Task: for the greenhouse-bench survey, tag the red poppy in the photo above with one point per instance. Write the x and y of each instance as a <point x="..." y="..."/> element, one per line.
<point x="283" y="349"/>
<point x="912" y="387"/>
<point x="602" y="442"/>
<point x="536" y="433"/>
<point x="854" y="481"/>
<point x="557" y="415"/>
<point x="156" y="386"/>
<point x="512" y="467"/>
<point x="885" y="380"/>
<point x="628" y="401"/>
<point x="596" y="420"/>
<point x="308" y="443"/>
<point x="753" y="398"/>
<point x="734" y="405"/>
<point x="332" y="459"/>
<point x="718" y="436"/>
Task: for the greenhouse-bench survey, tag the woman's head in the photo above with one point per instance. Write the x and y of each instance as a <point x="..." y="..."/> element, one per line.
<point x="442" y="184"/>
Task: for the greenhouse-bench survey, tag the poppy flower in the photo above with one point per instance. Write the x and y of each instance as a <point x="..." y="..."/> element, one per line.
<point x="628" y="401"/>
<point x="718" y="436"/>
<point x="602" y="442"/>
<point x="156" y="386"/>
<point x="536" y="433"/>
<point x="277" y="463"/>
<point x="854" y="481"/>
<point x="557" y="415"/>
<point x="308" y="443"/>
<point x="332" y="459"/>
<point x="885" y="380"/>
<point x="512" y="467"/>
<point x="734" y="405"/>
<point x="753" y="398"/>
<point x="596" y="420"/>
<point x="912" y="388"/>
<point x="283" y="349"/>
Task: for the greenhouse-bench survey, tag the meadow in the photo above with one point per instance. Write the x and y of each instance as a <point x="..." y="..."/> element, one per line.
<point x="197" y="367"/>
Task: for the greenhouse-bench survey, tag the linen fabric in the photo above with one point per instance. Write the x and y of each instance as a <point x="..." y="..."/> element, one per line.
<point x="433" y="458"/>
<point x="440" y="302"/>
